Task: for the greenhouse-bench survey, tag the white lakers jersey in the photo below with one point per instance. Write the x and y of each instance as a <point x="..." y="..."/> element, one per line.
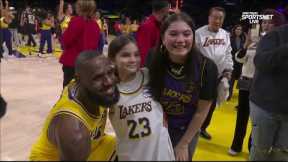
<point x="138" y="123"/>
<point x="215" y="46"/>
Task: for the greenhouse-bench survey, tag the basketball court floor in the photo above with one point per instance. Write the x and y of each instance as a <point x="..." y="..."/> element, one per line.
<point x="32" y="85"/>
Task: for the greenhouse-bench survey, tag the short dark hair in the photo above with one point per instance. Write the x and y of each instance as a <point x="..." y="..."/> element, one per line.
<point x="83" y="57"/>
<point x="118" y="43"/>
<point x="157" y="5"/>
<point x="217" y="8"/>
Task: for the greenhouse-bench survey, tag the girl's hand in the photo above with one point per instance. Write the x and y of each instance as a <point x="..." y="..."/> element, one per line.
<point x="181" y="152"/>
<point x="248" y="39"/>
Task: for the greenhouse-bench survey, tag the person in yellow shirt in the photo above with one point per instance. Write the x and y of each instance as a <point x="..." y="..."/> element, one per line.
<point x="98" y="20"/>
<point x="102" y="33"/>
<point x="64" y="17"/>
<point x="46" y="35"/>
<point x="74" y="128"/>
<point x="106" y="30"/>
<point x="126" y="28"/>
<point x="64" y="14"/>
<point x="134" y="28"/>
<point x="6" y="18"/>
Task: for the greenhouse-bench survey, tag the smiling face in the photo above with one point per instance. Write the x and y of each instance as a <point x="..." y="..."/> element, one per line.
<point x="215" y="20"/>
<point x="127" y="60"/>
<point x="98" y="77"/>
<point x="178" y="40"/>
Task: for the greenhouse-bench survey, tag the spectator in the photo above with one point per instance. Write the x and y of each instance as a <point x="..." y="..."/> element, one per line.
<point x="214" y="43"/>
<point x="46" y="35"/>
<point x="83" y="33"/>
<point x="29" y="25"/>
<point x="102" y="33"/>
<point x="126" y="28"/>
<point x="245" y="56"/>
<point x="268" y="95"/>
<point x="134" y="28"/>
<point x="5" y="34"/>
<point x="117" y="28"/>
<point x="64" y="17"/>
<point x="148" y="34"/>
<point x="237" y="40"/>
<point x="64" y="14"/>
<point x="183" y="81"/>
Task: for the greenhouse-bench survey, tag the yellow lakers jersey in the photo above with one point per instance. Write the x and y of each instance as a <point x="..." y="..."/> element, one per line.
<point x="3" y="25"/>
<point x="46" y="26"/>
<point x="100" y="24"/>
<point x="64" y="24"/>
<point x="126" y="29"/>
<point x="102" y="146"/>
<point x="134" y="27"/>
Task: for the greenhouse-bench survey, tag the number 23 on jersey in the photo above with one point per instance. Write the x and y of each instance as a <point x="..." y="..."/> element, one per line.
<point x="139" y="128"/>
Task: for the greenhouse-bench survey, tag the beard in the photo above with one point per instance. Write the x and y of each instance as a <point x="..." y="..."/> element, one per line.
<point x="104" y="101"/>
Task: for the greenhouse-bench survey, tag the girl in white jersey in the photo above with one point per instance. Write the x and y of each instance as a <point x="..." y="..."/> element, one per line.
<point x="137" y="119"/>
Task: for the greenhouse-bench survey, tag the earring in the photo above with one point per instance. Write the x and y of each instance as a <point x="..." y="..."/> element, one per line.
<point x="162" y="48"/>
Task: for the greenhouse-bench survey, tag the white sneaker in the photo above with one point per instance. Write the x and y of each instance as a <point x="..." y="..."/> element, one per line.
<point x="232" y="152"/>
<point x="5" y="55"/>
<point x="41" y="55"/>
<point x="49" y="54"/>
<point x="11" y="56"/>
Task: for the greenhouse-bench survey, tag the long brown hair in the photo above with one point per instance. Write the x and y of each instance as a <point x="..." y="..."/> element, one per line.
<point x="118" y="43"/>
<point x="160" y="59"/>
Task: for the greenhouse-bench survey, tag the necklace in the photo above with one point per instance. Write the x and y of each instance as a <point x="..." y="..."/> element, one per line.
<point x="176" y="70"/>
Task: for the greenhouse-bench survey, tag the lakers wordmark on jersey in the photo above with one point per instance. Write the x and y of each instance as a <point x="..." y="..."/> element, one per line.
<point x="138" y="123"/>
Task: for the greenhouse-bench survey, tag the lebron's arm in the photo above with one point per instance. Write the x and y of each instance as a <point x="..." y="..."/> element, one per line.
<point x="71" y="137"/>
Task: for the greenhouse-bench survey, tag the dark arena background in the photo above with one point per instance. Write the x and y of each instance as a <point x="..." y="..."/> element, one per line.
<point x="198" y="9"/>
<point x="31" y="77"/>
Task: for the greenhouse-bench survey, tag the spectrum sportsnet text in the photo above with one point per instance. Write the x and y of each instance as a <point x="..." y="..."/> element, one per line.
<point x="254" y="17"/>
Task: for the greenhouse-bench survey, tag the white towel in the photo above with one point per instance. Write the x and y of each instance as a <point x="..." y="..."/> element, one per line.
<point x="223" y="90"/>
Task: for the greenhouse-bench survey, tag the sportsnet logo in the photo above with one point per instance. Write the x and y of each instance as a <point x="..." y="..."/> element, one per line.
<point x="254" y="17"/>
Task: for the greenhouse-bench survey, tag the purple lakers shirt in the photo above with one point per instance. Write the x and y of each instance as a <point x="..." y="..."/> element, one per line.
<point x="180" y="99"/>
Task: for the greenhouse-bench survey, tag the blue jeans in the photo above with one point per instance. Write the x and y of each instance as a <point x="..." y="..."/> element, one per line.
<point x="269" y="135"/>
<point x="177" y="134"/>
<point x="46" y="36"/>
<point x="101" y="42"/>
<point x="6" y="37"/>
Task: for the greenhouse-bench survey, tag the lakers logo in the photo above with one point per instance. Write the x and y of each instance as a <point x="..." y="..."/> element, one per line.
<point x="209" y="42"/>
<point x="134" y="109"/>
<point x="173" y="107"/>
<point x="97" y="133"/>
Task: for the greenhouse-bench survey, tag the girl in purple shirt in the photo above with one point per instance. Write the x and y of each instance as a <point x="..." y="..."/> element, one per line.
<point x="183" y="81"/>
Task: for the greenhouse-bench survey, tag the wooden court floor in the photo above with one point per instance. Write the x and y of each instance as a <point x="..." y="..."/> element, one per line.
<point x="32" y="85"/>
